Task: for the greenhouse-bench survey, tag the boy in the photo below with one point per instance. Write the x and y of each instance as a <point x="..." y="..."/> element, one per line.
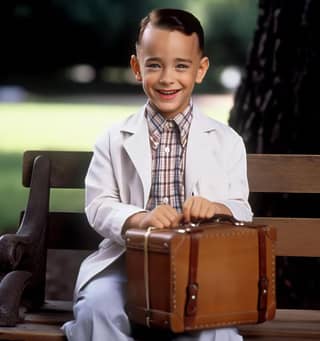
<point x="164" y="165"/>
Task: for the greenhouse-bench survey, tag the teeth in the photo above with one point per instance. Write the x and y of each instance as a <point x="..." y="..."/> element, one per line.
<point x="170" y="92"/>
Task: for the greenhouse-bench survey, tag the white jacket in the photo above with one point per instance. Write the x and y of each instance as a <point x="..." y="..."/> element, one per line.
<point x="119" y="179"/>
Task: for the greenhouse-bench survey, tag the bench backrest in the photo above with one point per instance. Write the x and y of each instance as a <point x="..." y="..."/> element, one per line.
<point x="66" y="230"/>
<point x="266" y="173"/>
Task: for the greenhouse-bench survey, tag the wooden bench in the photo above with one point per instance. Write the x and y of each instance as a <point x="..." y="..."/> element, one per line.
<point x="23" y="256"/>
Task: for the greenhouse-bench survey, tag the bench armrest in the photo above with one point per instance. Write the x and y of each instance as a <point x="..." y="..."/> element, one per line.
<point x="23" y="255"/>
<point x="12" y="249"/>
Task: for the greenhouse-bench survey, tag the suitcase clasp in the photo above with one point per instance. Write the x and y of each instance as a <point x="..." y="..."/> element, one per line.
<point x="192" y="295"/>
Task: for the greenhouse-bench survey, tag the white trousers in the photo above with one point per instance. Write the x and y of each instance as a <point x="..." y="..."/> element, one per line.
<point x="99" y="313"/>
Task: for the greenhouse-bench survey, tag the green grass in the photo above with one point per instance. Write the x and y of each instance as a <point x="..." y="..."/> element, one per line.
<point x="46" y="126"/>
<point x="71" y="126"/>
<point x="12" y="194"/>
<point x="56" y="126"/>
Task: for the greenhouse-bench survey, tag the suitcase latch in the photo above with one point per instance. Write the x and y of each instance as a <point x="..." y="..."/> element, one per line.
<point x="192" y="296"/>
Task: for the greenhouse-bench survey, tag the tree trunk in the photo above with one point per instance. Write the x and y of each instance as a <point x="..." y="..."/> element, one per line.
<point x="276" y="109"/>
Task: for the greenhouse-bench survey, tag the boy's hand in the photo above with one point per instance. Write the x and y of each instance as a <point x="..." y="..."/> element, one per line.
<point x="163" y="216"/>
<point x="196" y="208"/>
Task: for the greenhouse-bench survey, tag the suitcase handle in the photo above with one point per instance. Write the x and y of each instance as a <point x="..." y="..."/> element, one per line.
<point x="218" y="218"/>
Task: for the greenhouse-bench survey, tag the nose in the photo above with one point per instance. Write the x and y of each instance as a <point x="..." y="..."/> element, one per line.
<point x="166" y="76"/>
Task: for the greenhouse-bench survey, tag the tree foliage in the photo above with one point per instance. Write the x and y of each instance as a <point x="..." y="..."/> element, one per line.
<point x="48" y="35"/>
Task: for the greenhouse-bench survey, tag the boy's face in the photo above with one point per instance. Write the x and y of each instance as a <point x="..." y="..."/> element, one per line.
<point x="169" y="63"/>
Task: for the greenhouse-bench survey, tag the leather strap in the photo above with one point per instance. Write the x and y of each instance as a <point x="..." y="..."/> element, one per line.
<point x="263" y="279"/>
<point x="193" y="287"/>
<point x="146" y="275"/>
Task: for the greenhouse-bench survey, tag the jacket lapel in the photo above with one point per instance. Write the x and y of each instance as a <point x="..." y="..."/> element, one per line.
<point x="137" y="146"/>
<point x="199" y="151"/>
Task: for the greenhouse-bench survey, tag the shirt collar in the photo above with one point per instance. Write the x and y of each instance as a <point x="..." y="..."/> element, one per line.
<point x="156" y="123"/>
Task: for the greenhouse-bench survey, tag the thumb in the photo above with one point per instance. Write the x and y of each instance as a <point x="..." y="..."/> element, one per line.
<point x="178" y="220"/>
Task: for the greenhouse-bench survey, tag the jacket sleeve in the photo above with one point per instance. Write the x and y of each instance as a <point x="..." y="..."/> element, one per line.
<point x="105" y="211"/>
<point x="238" y="188"/>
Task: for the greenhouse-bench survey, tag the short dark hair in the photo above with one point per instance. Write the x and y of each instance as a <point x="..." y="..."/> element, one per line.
<point x="175" y="20"/>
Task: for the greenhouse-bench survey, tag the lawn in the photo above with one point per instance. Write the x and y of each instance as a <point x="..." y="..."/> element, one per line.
<point x="61" y="126"/>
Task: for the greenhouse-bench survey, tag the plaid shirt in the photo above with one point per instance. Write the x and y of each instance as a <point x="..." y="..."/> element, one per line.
<point x="168" y="141"/>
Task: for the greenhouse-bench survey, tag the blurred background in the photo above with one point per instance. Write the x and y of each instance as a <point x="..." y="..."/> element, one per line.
<point x="64" y="75"/>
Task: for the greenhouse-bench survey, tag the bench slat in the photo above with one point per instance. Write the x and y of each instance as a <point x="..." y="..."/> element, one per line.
<point x="266" y="172"/>
<point x="295" y="236"/>
<point x="32" y="332"/>
<point x="284" y="173"/>
<point x="43" y="325"/>
<point x="299" y="324"/>
<point x="64" y="226"/>
<point x="68" y="169"/>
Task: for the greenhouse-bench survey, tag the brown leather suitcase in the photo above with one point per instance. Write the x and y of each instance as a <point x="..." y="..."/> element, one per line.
<point x="215" y="274"/>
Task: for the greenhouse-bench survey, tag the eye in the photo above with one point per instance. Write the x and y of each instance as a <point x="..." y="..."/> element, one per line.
<point x="153" y="66"/>
<point x="182" y="66"/>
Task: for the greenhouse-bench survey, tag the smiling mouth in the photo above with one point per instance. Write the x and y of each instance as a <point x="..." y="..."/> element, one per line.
<point x="168" y="92"/>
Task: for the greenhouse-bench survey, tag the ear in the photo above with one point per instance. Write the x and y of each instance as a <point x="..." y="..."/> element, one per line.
<point x="135" y="67"/>
<point x="202" y="70"/>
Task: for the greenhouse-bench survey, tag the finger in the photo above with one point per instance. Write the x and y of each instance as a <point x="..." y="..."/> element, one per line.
<point x="151" y="220"/>
<point x="164" y="218"/>
<point x="186" y="210"/>
<point x="195" y="209"/>
<point x="172" y="214"/>
<point x="164" y="208"/>
<point x="204" y="206"/>
<point x="177" y="220"/>
<point x="158" y="224"/>
<point x="167" y="215"/>
<point x="210" y="212"/>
